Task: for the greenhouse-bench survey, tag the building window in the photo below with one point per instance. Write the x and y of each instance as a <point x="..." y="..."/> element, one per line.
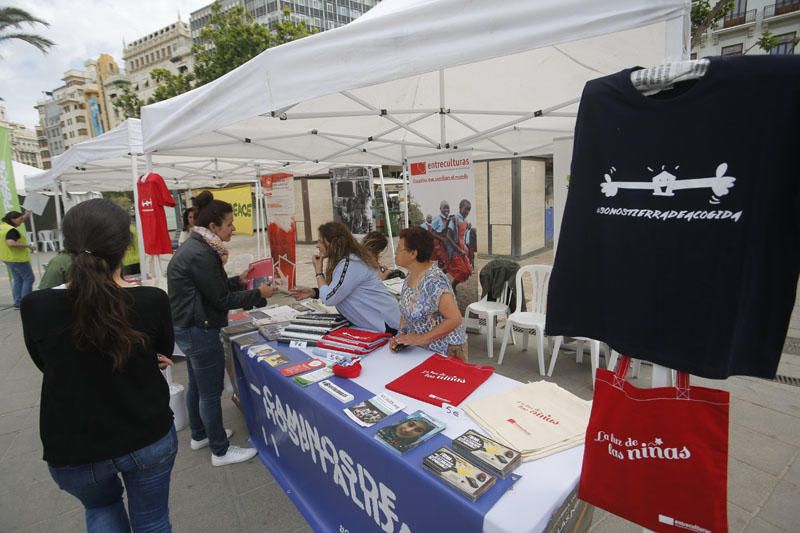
<point x="785" y="45"/>
<point x="732" y="50"/>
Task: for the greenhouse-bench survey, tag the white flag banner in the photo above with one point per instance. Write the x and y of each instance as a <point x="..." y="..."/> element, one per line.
<point x="442" y="196"/>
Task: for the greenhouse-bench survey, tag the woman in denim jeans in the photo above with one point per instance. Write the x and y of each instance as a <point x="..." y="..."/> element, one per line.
<point x="105" y="416"/>
<point x="200" y="295"/>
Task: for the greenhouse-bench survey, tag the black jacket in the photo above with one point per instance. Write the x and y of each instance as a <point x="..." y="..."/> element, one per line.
<point x="200" y="293"/>
<point x="494" y="275"/>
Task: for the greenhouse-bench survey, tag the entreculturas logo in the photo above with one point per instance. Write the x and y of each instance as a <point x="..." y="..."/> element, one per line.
<point x="418" y="169"/>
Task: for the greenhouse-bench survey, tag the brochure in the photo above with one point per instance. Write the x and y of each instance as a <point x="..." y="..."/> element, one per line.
<point x="260" y="349"/>
<point x="313" y="377"/>
<point x="490" y="454"/>
<point x="260" y="272"/>
<point x="410" y="432"/>
<point x="459" y="473"/>
<point x="275" y="359"/>
<point x="372" y="411"/>
<point x="299" y="368"/>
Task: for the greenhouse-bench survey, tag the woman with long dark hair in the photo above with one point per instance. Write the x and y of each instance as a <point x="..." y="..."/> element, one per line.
<point x="347" y="277"/>
<point x="15" y="251"/>
<point x="104" y="404"/>
<point x="200" y="295"/>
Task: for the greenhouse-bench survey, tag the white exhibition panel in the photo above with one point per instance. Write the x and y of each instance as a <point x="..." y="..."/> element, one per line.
<point x="371" y="92"/>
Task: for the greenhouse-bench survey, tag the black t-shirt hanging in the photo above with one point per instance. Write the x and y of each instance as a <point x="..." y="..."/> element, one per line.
<point x="680" y="242"/>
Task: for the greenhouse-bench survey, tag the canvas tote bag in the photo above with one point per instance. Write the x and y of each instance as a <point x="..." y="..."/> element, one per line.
<point x="658" y="457"/>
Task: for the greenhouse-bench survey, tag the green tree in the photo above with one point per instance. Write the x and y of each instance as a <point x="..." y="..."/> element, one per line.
<point x="232" y="38"/>
<point x="129" y="104"/>
<point x="169" y="84"/>
<point x="12" y="18"/>
<point x="704" y="15"/>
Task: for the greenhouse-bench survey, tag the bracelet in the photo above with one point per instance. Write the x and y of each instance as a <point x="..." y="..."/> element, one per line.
<point x="320" y="274"/>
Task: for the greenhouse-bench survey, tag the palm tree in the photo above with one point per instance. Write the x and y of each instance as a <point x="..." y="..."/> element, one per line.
<point x="13" y="18"/>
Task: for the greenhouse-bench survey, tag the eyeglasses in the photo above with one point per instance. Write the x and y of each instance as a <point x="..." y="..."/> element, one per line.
<point x="403" y="250"/>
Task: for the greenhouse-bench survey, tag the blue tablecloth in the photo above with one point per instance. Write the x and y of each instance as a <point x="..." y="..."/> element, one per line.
<point x="342" y="479"/>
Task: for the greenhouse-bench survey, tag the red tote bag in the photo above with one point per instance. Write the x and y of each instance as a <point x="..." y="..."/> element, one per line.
<point x="658" y="457"/>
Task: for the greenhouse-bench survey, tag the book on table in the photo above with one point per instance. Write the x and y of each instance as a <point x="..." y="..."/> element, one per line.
<point x="370" y="412"/>
<point x="409" y="432"/>
<point x="495" y="457"/>
<point x="458" y="473"/>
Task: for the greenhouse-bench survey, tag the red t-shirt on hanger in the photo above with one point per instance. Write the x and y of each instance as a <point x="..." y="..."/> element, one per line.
<point x="153" y="197"/>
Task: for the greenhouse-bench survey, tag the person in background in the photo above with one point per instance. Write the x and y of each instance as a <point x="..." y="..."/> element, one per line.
<point x="200" y="295"/>
<point x="100" y="344"/>
<point x="427" y="224"/>
<point x="130" y="263"/>
<point x="428" y="308"/>
<point x="347" y="277"/>
<point x="16" y="254"/>
<point x="188" y="224"/>
<point x="56" y="271"/>
<point x="375" y="243"/>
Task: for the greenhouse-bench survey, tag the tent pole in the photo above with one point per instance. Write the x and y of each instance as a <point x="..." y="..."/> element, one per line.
<point x="386" y="213"/>
<point x="257" y="219"/>
<point x="58" y="210"/>
<point x="155" y="259"/>
<point x="404" y="175"/>
<point x="36" y="242"/>
<point x="137" y="218"/>
<point x="442" y="131"/>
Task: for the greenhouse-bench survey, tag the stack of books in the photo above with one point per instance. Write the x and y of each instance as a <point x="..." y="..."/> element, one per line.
<point x="459" y="473"/>
<point x="353" y="341"/>
<point x="498" y="459"/>
<point x="311" y="327"/>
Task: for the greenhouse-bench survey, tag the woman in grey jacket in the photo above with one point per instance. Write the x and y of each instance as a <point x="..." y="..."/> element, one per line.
<point x="200" y="295"/>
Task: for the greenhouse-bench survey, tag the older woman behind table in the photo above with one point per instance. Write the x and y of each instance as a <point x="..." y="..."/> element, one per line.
<point x="428" y="308"/>
<point x="349" y="280"/>
<point x="105" y="406"/>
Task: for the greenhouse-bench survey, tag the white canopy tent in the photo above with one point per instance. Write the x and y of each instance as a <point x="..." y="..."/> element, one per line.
<point x="111" y="162"/>
<point x="412" y="77"/>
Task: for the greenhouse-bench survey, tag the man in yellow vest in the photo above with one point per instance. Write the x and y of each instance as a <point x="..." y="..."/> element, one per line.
<point x="16" y="254"/>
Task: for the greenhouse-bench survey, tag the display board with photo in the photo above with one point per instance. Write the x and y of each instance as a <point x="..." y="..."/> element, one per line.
<point x="352" y="195"/>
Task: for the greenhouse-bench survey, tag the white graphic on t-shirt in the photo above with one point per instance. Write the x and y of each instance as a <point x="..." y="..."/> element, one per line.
<point x="147" y="203"/>
<point x="665" y="183"/>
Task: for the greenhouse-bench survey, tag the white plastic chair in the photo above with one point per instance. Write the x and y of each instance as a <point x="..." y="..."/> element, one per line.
<point x="594" y="350"/>
<point x="636" y="364"/>
<point x="47" y="239"/>
<point x="533" y="319"/>
<point x="490" y="311"/>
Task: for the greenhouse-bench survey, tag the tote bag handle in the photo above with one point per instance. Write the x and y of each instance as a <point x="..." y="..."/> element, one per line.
<point x="682" y="387"/>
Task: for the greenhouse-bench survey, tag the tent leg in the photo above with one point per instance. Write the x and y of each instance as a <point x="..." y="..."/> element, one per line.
<point x="404" y="174"/>
<point x="140" y="235"/>
<point x="386" y="213"/>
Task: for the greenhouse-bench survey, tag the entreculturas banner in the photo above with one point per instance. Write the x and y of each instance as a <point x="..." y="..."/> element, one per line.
<point x="279" y="194"/>
<point x="442" y="196"/>
<point x="8" y="187"/>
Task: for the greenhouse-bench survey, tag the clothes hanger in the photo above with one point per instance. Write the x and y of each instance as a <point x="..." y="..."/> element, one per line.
<point x="663" y="77"/>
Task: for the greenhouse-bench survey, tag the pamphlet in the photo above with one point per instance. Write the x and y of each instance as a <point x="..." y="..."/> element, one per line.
<point x="370" y="412"/>
<point x="410" y="432"/>
<point x="260" y="349"/>
<point x="459" y="473"/>
<point x="299" y="368"/>
<point x="247" y="339"/>
<point x="275" y="359"/>
<point x="313" y="377"/>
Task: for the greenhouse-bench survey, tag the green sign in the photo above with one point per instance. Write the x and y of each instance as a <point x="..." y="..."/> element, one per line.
<point x="8" y="187"/>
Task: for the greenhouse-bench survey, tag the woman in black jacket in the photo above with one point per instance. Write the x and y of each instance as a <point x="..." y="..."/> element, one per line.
<point x="104" y="403"/>
<point x="200" y="295"/>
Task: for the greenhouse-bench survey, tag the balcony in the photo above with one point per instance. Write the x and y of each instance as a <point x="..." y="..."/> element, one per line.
<point x="737" y="19"/>
<point x="782" y="7"/>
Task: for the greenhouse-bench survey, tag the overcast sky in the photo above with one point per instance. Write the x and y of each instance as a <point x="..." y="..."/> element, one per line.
<point x="81" y="30"/>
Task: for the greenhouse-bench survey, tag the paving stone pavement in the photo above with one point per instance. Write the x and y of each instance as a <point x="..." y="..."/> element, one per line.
<point x="764" y="470"/>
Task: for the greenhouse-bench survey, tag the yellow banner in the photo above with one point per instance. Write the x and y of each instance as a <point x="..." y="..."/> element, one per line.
<point x="240" y="197"/>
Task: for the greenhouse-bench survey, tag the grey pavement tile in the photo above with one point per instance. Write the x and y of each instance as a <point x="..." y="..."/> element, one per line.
<point x="24" y="505"/>
<point x="68" y="522"/>
<point x="767" y="421"/>
<point x="760" y="526"/>
<point x="23" y="470"/>
<point x="737" y="518"/>
<point x="244" y="480"/>
<point x="748" y="486"/>
<point x="204" y="508"/>
<point x="16" y="421"/>
<point x="760" y="451"/>
<point x="268" y="508"/>
<point x="793" y="473"/>
<point x="781" y="507"/>
<point x="27" y="441"/>
<point x="19" y="400"/>
<point x="5" y="442"/>
<point x="614" y="524"/>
